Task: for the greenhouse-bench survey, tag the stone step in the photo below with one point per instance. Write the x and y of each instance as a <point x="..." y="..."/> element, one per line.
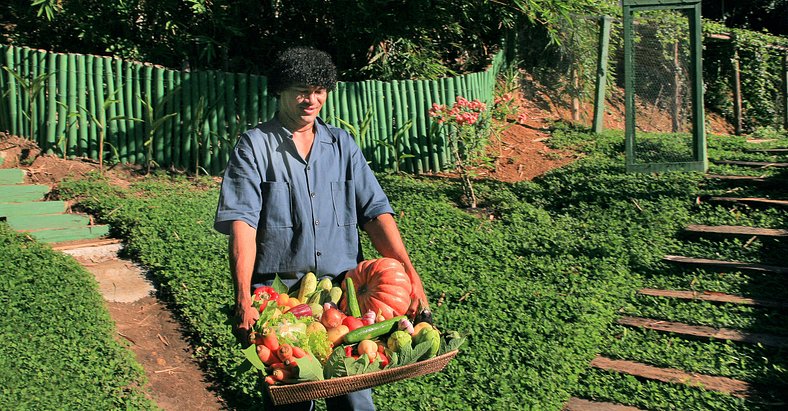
<point x="70" y="234"/>
<point x="47" y="222"/>
<point x="12" y="176"/>
<point x="20" y="193"/>
<point x="758" y="164"/>
<point x="32" y="208"/>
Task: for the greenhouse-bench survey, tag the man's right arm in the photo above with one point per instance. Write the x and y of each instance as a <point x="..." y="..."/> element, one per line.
<point x="243" y="250"/>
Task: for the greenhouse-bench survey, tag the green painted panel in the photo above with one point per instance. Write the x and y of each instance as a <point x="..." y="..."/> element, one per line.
<point x="22" y="193"/>
<point x="32" y="208"/>
<point x="47" y="222"/>
<point x="12" y="176"/>
<point x="71" y="234"/>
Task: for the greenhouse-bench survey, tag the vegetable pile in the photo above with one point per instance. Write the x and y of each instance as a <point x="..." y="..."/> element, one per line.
<point x="303" y="334"/>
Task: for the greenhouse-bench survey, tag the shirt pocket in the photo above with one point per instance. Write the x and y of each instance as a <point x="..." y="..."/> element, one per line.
<point x="343" y="196"/>
<point x="277" y="205"/>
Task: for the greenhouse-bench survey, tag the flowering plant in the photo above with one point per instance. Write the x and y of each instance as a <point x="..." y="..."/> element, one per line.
<point x="468" y="131"/>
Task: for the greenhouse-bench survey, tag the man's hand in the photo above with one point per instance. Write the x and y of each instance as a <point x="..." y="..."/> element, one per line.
<point x="245" y="317"/>
<point x="418" y="300"/>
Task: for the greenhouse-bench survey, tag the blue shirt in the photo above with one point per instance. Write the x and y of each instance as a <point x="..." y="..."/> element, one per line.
<point x="306" y="212"/>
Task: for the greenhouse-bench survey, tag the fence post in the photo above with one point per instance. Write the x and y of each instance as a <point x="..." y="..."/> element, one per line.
<point x="601" y="73"/>
<point x="785" y="90"/>
<point x="737" y="100"/>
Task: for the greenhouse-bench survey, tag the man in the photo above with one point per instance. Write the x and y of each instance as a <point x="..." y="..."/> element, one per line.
<point x="295" y="191"/>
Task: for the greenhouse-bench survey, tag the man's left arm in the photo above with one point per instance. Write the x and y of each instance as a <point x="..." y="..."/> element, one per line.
<point x="385" y="237"/>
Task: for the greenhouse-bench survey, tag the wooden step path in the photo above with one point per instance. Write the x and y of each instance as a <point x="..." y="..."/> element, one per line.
<point x="713" y="296"/>
<point x="758" y="164"/>
<point x="736" y="230"/>
<point x="671" y="375"/>
<point x="704" y="331"/>
<point x="748" y="180"/>
<point x="750" y="201"/>
<point x="767" y="150"/>
<point x="726" y="265"/>
<point x="578" y="404"/>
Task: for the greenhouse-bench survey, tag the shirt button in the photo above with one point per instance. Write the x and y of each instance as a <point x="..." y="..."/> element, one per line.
<point x="308" y="167"/>
<point x="312" y="194"/>
<point x="317" y="222"/>
<point x="319" y="253"/>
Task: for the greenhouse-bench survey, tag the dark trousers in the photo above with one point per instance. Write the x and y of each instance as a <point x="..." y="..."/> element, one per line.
<point x="355" y="401"/>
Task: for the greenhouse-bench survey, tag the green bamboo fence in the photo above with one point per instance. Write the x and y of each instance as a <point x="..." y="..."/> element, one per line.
<point x="86" y="106"/>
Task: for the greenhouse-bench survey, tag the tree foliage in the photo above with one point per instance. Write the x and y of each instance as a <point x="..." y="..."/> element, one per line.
<point x="382" y="39"/>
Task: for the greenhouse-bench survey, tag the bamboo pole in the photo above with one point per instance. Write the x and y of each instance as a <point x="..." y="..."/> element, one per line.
<point x="270" y="100"/>
<point x="5" y="122"/>
<point x="120" y="137"/>
<point x="102" y="128"/>
<point x="155" y="75"/>
<point x="352" y="95"/>
<point x="23" y="55"/>
<point x="215" y="102"/>
<point x="136" y="142"/>
<point x="62" y="108"/>
<point x="92" y="131"/>
<point x="115" y="110"/>
<point x="192" y="148"/>
<point x="420" y="128"/>
<point x="81" y="73"/>
<point x="737" y="94"/>
<point x="71" y="96"/>
<point x="434" y="140"/>
<point x="399" y="117"/>
<point x="51" y="90"/>
<point x="13" y="105"/>
<point x="243" y="102"/>
<point x="41" y="98"/>
<point x="177" y="122"/>
<point x="205" y="135"/>
<point x="34" y="97"/>
<point x="382" y="119"/>
<point x="255" y="107"/>
<point x="370" y="136"/>
<point x="412" y="137"/>
<point x="232" y="118"/>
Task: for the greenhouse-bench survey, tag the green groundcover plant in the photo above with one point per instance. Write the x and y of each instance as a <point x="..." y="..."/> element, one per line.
<point x="57" y="350"/>
<point x="535" y="276"/>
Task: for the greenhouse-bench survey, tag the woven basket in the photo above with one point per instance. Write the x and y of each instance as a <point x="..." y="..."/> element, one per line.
<point x="305" y="391"/>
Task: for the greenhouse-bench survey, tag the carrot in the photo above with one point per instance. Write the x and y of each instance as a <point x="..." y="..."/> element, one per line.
<point x="270" y="380"/>
<point x="298" y="352"/>
<point x="281" y="374"/>
<point x="270" y="340"/>
<point x="265" y="354"/>
<point x="285" y="352"/>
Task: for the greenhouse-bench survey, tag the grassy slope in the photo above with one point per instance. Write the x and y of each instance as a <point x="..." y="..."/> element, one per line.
<point x="536" y="287"/>
<point x="56" y="338"/>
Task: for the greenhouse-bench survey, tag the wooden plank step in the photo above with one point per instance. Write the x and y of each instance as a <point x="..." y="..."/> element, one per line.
<point x="579" y="404"/>
<point x="32" y="208"/>
<point x="750" y="201"/>
<point x="726" y="265"/>
<point x="712" y="296"/>
<point x="767" y="150"/>
<point x="736" y="230"/>
<point x="704" y="331"/>
<point x="759" y="164"/>
<point x="47" y="222"/>
<point x="70" y="234"/>
<point x="12" y="176"/>
<point x="20" y="193"/>
<point x="742" y="179"/>
<point x="91" y="242"/>
<point x="671" y="375"/>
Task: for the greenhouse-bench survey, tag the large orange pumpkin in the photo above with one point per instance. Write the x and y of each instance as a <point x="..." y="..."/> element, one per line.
<point x="382" y="285"/>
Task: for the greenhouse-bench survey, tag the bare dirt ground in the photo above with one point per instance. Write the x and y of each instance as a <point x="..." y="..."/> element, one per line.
<point x="174" y="379"/>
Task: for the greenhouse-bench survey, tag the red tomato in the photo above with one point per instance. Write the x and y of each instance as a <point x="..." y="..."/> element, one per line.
<point x="352" y="322"/>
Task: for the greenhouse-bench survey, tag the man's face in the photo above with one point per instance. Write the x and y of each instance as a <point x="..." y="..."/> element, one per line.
<point x="299" y="104"/>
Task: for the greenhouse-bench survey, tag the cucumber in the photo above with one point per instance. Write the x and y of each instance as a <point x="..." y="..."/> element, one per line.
<point x="352" y="300"/>
<point x="372" y="331"/>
